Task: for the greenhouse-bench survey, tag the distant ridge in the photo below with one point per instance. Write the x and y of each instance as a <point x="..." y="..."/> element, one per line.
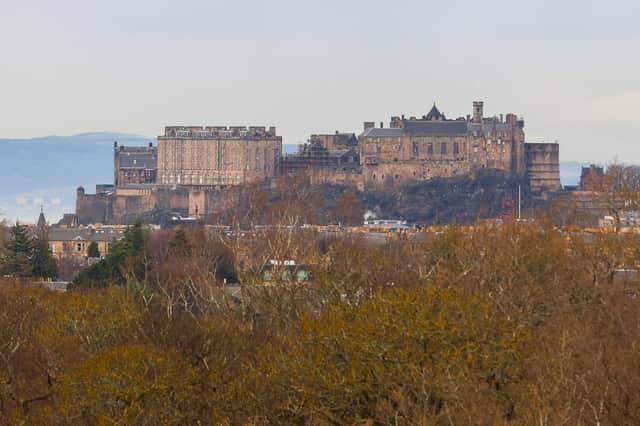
<point x="46" y="170"/>
<point x="85" y="137"/>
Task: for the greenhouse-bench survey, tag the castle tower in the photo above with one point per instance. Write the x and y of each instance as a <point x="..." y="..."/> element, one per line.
<point x="478" y="111"/>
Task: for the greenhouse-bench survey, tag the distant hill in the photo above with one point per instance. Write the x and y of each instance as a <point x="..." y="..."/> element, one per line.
<point x="46" y="170"/>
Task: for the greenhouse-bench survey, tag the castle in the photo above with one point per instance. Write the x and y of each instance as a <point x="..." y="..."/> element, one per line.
<point x="191" y="166"/>
<point x="416" y="149"/>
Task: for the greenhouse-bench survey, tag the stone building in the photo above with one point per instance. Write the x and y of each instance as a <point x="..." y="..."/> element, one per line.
<point x="75" y="242"/>
<point x="543" y="166"/>
<point x="335" y="141"/>
<point x="591" y="178"/>
<point x="134" y="164"/>
<point x="218" y="156"/>
<point x="432" y="146"/>
<point x="330" y="158"/>
<point x="153" y="202"/>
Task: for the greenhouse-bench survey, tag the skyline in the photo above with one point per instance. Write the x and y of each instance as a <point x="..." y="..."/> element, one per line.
<point x="568" y="69"/>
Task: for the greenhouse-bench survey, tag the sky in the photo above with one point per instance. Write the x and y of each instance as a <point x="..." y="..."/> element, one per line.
<point x="570" y="68"/>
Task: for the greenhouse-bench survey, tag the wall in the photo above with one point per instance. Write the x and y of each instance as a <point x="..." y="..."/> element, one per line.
<point x="124" y="205"/>
<point x="543" y="166"/>
<point x="218" y="156"/>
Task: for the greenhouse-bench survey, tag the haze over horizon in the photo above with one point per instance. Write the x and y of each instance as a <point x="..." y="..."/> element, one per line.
<point x="568" y="68"/>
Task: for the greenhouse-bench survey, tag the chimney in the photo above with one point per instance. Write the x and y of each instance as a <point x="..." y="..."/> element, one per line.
<point x="115" y="144"/>
<point x="150" y="144"/>
<point x="369" y="125"/>
<point x="381" y="125"/>
<point x="478" y="111"/>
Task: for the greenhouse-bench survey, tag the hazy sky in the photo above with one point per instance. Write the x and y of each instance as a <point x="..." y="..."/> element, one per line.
<point x="571" y="68"/>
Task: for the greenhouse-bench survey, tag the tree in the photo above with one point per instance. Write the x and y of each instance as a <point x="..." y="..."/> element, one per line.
<point x="94" y="251"/>
<point x="618" y="191"/>
<point x="180" y="244"/>
<point x="405" y="357"/>
<point x="43" y="265"/>
<point x="18" y="252"/>
<point x="129" y="385"/>
<point x="349" y="209"/>
<point x="128" y="260"/>
<point x="4" y="234"/>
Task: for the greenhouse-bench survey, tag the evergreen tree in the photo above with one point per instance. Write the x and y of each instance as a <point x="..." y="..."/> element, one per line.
<point x="180" y="245"/>
<point x="94" y="251"/>
<point x="127" y="259"/>
<point x="18" y="252"/>
<point x="43" y="265"/>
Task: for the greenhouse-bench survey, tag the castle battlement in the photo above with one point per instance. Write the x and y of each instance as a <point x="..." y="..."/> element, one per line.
<point x="215" y="132"/>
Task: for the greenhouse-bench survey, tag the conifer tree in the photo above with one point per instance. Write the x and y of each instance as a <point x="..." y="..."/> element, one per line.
<point x="128" y="258"/>
<point x="93" y="251"/>
<point x="18" y="252"/>
<point x="43" y="265"/>
<point x="180" y="245"/>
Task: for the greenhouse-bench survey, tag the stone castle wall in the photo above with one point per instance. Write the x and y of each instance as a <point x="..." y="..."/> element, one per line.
<point x="124" y="205"/>
<point x="543" y="166"/>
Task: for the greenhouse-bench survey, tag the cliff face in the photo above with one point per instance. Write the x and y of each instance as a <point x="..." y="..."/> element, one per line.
<point x="459" y="199"/>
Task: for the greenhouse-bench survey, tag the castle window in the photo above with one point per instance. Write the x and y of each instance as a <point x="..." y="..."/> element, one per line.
<point x="443" y="148"/>
<point x="415" y="148"/>
<point x="430" y="149"/>
<point x="456" y="148"/>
